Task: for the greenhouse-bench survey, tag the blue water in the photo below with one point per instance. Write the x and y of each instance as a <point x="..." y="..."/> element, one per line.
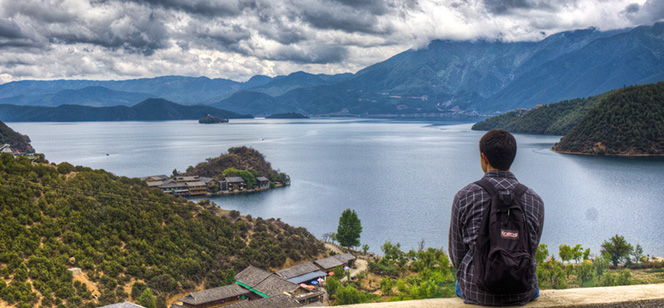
<point x="400" y="177"/>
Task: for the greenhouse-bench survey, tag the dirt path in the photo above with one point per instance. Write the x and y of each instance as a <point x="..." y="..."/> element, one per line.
<point x="360" y="265"/>
<point x="333" y="248"/>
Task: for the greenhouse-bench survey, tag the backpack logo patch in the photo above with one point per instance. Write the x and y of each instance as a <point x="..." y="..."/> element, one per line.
<point x="509" y="234"/>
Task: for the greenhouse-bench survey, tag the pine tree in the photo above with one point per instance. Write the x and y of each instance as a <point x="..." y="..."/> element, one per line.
<point x="350" y="227"/>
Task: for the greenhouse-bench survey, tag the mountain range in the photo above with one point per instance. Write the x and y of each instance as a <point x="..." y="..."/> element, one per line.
<point x="153" y="109"/>
<point x="445" y="78"/>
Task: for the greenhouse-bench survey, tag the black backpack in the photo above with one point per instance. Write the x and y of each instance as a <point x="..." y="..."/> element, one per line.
<point x="503" y="256"/>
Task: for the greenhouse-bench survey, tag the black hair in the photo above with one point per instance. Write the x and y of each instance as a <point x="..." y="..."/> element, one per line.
<point x="499" y="147"/>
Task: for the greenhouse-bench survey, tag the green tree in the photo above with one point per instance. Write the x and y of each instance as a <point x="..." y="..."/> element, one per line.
<point x="332" y="285"/>
<point x="565" y="253"/>
<point x="617" y="248"/>
<point x="147" y="299"/>
<point x="365" y="248"/>
<point x="349" y="295"/>
<point x="601" y="264"/>
<point x="542" y="253"/>
<point x="637" y="253"/>
<point x="386" y="286"/>
<point x="577" y="253"/>
<point x="350" y="227"/>
<point x="584" y="272"/>
<point x="230" y="276"/>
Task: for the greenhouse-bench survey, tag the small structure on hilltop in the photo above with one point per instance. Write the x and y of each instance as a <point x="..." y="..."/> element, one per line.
<point x="216" y="297"/>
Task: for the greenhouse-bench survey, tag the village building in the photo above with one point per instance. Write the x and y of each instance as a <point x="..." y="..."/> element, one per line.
<point x="262" y="182"/>
<point x="267" y="285"/>
<point x="175" y="188"/>
<point x="196" y="188"/>
<point x="302" y="273"/>
<point x="216" y="297"/>
<point x="233" y="183"/>
<point x="279" y="301"/>
<point x="212" y="185"/>
<point x="330" y="263"/>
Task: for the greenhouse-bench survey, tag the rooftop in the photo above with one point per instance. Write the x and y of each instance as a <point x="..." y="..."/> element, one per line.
<point x="234" y="179"/>
<point x="252" y="276"/>
<point x="334" y="261"/>
<point x="215" y="294"/>
<point x="298" y="270"/>
<point x="122" y="305"/>
<point x="281" y="301"/>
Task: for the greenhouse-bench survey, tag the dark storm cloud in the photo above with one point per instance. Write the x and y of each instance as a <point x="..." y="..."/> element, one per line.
<point x="10" y="30"/>
<point x="505" y="6"/>
<point x="223" y="8"/>
<point x="343" y="18"/>
<point x="312" y="54"/>
<point x="651" y="11"/>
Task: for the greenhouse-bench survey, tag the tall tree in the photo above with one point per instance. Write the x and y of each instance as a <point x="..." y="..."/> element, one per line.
<point x="350" y="227"/>
<point x="617" y="248"/>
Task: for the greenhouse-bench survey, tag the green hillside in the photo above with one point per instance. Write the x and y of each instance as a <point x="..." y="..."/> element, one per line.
<point x="628" y="122"/>
<point x="552" y="119"/>
<point x="124" y="237"/>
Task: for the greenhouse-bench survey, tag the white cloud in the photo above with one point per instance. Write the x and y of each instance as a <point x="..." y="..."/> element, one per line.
<point x="118" y="39"/>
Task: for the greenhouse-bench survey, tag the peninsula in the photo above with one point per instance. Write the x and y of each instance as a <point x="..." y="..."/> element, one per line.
<point x="241" y="170"/>
<point x="622" y="122"/>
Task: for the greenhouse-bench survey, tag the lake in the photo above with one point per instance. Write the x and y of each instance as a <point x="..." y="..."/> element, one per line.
<point x="399" y="176"/>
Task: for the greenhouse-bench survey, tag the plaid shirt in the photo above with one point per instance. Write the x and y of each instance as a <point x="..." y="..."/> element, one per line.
<point x="467" y="210"/>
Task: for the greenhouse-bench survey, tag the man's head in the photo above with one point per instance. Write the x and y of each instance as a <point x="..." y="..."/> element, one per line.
<point x="497" y="150"/>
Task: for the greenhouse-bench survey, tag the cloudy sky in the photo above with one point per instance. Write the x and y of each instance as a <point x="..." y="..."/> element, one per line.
<point x="236" y="39"/>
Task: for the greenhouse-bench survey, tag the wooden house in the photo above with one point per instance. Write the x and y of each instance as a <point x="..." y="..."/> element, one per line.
<point x="212" y="185"/>
<point x="265" y="284"/>
<point x="216" y="297"/>
<point x="278" y="301"/>
<point x="196" y="188"/>
<point x="233" y="183"/>
<point x="302" y="273"/>
<point x="263" y="182"/>
<point x="175" y="188"/>
<point x="332" y="262"/>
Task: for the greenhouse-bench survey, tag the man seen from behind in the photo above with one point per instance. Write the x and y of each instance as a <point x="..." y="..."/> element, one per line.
<point x="468" y="239"/>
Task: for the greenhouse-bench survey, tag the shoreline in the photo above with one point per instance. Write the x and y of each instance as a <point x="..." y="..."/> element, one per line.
<point x="608" y="155"/>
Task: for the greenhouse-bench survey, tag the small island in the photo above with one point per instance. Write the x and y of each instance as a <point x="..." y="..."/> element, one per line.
<point x="288" y="115"/>
<point x="241" y="170"/>
<point x="210" y="119"/>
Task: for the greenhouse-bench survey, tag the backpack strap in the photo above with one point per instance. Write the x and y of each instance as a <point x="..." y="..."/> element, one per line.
<point x="518" y="191"/>
<point x="488" y="187"/>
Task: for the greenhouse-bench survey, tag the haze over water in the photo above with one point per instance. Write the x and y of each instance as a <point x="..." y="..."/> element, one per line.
<point x="400" y="177"/>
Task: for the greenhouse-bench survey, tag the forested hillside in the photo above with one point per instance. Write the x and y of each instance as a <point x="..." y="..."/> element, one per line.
<point x="15" y="140"/>
<point x="124" y="237"/>
<point x="552" y="119"/>
<point x="628" y="122"/>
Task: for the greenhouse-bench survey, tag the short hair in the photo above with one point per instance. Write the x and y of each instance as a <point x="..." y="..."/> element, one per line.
<point x="499" y="147"/>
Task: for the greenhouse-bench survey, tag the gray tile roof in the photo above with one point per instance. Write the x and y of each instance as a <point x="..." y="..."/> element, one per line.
<point x="195" y="184"/>
<point x="214" y="294"/>
<point x="297" y="270"/>
<point x="251" y="276"/>
<point x="122" y="305"/>
<point x="234" y="179"/>
<point x="334" y="261"/>
<point x="273" y="285"/>
<point x="262" y="179"/>
<point x="277" y="301"/>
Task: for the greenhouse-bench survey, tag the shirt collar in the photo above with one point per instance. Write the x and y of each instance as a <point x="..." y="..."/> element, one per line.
<point x="499" y="174"/>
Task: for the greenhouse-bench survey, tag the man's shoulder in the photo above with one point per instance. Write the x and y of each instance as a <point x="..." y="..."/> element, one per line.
<point x="468" y="192"/>
<point x="531" y="192"/>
